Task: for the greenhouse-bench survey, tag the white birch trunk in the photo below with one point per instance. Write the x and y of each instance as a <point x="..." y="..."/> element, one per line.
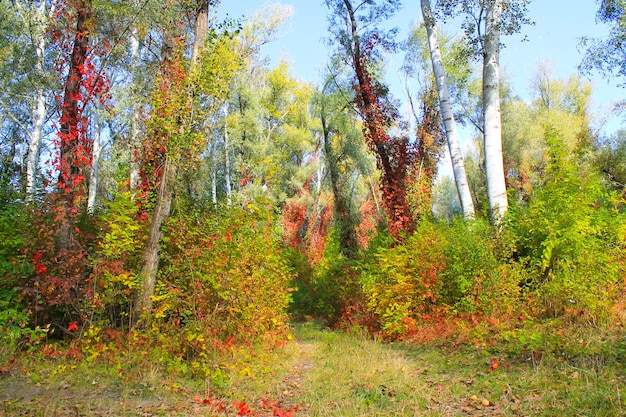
<point x="39" y="109"/>
<point x="494" y="164"/>
<point x="227" y="179"/>
<point x="214" y="177"/>
<point x="96" y="148"/>
<point x="445" y="104"/>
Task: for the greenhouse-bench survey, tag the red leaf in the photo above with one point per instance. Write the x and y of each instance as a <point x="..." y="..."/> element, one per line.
<point x="73" y="326"/>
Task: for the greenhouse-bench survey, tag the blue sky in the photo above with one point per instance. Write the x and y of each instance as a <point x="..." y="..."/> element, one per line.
<point x="555" y="37"/>
<point x="559" y="25"/>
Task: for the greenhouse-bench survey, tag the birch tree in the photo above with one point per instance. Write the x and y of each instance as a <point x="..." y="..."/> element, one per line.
<point x="484" y="22"/>
<point x="445" y="104"/>
<point x="492" y="117"/>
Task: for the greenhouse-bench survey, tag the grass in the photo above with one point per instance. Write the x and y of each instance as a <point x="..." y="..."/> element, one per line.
<point x="320" y="373"/>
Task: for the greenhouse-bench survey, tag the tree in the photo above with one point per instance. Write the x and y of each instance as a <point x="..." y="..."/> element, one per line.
<point x="340" y="138"/>
<point x="445" y="104"/>
<point x="485" y="22"/>
<point x="26" y="81"/>
<point x="183" y="103"/>
<point x="492" y="122"/>
<point x="563" y="104"/>
<point x="607" y="55"/>
<point x="351" y="25"/>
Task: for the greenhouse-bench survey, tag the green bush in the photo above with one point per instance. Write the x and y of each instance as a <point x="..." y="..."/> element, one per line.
<point x="570" y="237"/>
<point x="223" y="276"/>
<point x="116" y="262"/>
<point x="400" y="283"/>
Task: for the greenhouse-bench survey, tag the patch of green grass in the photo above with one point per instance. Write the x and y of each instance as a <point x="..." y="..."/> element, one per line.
<point x="323" y="373"/>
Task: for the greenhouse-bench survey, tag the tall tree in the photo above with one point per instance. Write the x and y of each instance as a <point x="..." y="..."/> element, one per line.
<point x="492" y="117"/>
<point x="606" y="55"/>
<point x="485" y="21"/>
<point x="562" y="104"/>
<point x="445" y="103"/>
<point x="351" y="25"/>
<point x="169" y="99"/>
<point x="340" y="141"/>
<point x="184" y="103"/>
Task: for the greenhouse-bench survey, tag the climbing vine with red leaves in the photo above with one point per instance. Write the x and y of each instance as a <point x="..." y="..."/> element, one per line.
<point x="394" y="156"/>
<point x="62" y="234"/>
<point x="430" y="141"/>
<point x="163" y="124"/>
<point x="306" y="223"/>
<point x="84" y="84"/>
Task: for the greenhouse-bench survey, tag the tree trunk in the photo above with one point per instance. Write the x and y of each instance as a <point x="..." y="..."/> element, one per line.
<point x="134" y="144"/>
<point x="201" y="28"/>
<point x="494" y="163"/>
<point x="40" y="108"/>
<point x="72" y="147"/>
<point x="74" y="152"/>
<point x="214" y="173"/>
<point x="227" y="179"/>
<point x="96" y="148"/>
<point x="34" y="147"/>
<point x="150" y="262"/>
<point x="445" y="104"/>
<point x="348" y="243"/>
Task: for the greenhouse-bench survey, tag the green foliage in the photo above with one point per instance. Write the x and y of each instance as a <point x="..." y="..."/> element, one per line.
<point x="15" y="320"/>
<point x="331" y="290"/>
<point x="116" y="263"/>
<point x="571" y="236"/>
<point x="13" y="264"/>
<point x="610" y="158"/>
<point x="471" y="267"/>
<point x="224" y="276"/>
<point x="401" y="283"/>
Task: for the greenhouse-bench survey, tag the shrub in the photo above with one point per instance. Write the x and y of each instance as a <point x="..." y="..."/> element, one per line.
<point x="570" y="236"/>
<point x="114" y="278"/>
<point x="401" y="283"/>
<point x="223" y="276"/>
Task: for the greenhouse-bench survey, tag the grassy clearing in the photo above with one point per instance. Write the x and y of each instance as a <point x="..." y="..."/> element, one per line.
<point x="322" y="373"/>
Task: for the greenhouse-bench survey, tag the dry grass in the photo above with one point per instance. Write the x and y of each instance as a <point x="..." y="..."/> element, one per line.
<point x="324" y="373"/>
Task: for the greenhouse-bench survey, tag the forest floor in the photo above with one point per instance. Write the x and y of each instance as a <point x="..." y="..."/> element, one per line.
<point x="324" y="373"/>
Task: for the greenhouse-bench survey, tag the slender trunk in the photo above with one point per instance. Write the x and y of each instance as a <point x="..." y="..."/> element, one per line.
<point x="150" y="263"/>
<point x="40" y="108"/>
<point x="34" y="147"/>
<point x="135" y="117"/>
<point x="494" y="163"/>
<point x="348" y="243"/>
<point x="227" y="178"/>
<point x="458" y="167"/>
<point x="214" y="174"/>
<point x="95" y="160"/>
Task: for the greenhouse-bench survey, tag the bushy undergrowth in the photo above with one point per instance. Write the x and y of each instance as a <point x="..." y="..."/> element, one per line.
<point x="223" y="277"/>
<point x="557" y="262"/>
